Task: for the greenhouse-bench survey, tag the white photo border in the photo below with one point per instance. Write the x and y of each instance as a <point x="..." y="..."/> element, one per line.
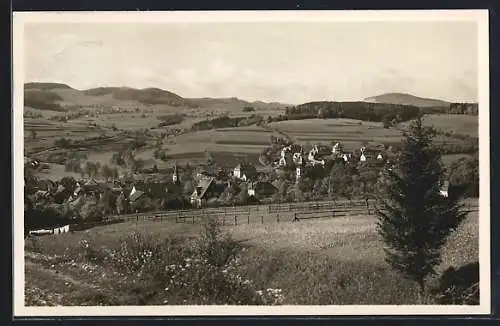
<point x="478" y="16"/>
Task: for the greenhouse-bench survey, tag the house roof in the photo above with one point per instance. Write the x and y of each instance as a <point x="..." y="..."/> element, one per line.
<point x="136" y="195"/>
<point x="204" y="184"/>
<point x="90" y="182"/>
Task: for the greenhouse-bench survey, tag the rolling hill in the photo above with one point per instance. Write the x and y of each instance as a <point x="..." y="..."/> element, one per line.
<point x="234" y="102"/>
<point x="61" y="97"/>
<point x="406" y="99"/>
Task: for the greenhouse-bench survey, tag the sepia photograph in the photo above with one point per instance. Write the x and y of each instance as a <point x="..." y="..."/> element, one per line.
<point x="251" y="163"/>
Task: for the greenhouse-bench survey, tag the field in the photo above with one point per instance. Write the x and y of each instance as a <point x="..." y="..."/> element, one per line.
<point x="227" y="145"/>
<point x="326" y="261"/>
<point x="111" y="111"/>
<point x="457" y="123"/>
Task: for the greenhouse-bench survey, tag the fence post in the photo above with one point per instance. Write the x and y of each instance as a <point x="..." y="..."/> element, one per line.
<point x="192" y="218"/>
<point x="262" y="219"/>
<point x="277" y="217"/>
<point x="235" y="220"/>
<point x="248" y="217"/>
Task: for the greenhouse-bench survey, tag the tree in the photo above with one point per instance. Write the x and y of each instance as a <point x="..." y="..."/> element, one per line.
<point x="368" y="175"/>
<point x="243" y="195"/>
<point x="414" y="220"/>
<point x="106" y="172"/>
<point x="69" y="183"/>
<point x="121" y="204"/>
<point x="386" y="121"/>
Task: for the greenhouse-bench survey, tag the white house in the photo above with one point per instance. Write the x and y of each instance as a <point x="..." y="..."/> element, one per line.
<point x="444" y="189"/>
<point x="362" y="158"/>
<point x="298" y="173"/>
<point x="380" y="157"/>
<point x="244" y="172"/>
<point x="297" y="158"/>
<point x="237" y="172"/>
<point x="175" y="175"/>
<point x="335" y="148"/>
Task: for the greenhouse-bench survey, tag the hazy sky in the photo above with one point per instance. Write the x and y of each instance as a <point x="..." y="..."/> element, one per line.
<point x="287" y="62"/>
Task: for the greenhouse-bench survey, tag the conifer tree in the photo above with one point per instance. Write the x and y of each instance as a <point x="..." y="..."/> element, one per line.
<point x="414" y="220"/>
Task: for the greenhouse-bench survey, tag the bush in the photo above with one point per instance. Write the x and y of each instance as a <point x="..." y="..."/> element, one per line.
<point x="196" y="271"/>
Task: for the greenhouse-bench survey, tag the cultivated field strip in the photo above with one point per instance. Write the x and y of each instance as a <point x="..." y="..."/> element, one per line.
<point x="276" y="213"/>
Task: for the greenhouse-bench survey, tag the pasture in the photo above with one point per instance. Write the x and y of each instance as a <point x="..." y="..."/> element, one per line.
<point x="324" y="261"/>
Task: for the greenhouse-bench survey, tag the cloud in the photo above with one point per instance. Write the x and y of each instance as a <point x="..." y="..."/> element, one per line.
<point x="288" y="62"/>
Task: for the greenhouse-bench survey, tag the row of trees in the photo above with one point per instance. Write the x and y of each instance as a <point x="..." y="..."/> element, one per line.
<point x="227" y="122"/>
<point x="353" y="110"/>
<point x="170" y="119"/>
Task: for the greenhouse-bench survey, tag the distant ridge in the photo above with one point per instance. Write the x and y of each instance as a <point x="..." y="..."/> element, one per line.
<point x="234" y="102"/>
<point x="46" y="86"/>
<point x="406" y="99"/>
<point x="57" y="96"/>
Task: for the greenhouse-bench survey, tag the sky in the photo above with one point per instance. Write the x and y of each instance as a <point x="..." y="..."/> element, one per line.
<point x="289" y="62"/>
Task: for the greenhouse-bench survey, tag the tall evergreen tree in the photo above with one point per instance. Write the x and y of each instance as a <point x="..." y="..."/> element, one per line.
<point x="414" y="220"/>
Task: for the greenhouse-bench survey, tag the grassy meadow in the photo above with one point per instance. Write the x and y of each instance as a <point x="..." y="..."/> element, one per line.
<point x="329" y="261"/>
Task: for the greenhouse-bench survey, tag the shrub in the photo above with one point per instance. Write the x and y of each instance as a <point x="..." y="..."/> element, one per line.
<point x="196" y="271"/>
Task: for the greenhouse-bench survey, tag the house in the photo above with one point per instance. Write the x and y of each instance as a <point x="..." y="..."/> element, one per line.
<point x="30" y="162"/>
<point x="261" y="189"/>
<point x="380" y="157"/>
<point x="298" y="173"/>
<point x="444" y="189"/>
<point x="362" y="158"/>
<point x="175" y="175"/>
<point x="136" y="195"/>
<point x="297" y="158"/>
<point x="336" y="148"/>
<point x="156" y="190"/>
<point x="204" y="190"/>
<point x="244" y="171"/>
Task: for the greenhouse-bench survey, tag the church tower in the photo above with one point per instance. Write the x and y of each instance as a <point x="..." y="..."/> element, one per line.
<point x="175" y="176"/>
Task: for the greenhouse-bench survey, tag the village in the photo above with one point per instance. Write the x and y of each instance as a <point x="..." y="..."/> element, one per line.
<point x="292" y="170"/>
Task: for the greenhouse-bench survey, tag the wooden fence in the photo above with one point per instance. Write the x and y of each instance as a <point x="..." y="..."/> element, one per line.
<point x="285" y="212"/>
